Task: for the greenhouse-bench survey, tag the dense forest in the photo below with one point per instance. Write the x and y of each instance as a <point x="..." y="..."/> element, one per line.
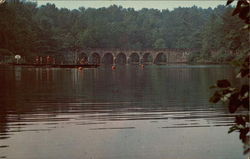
<point x="27" y="29"/>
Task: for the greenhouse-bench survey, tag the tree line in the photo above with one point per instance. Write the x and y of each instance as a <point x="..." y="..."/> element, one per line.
<point x="29" y="30"/>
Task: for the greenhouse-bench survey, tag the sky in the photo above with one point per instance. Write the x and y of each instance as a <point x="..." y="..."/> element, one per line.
<point x="136" y="4"/>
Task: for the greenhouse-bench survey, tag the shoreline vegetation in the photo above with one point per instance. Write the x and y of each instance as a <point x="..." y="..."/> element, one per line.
<point x="29" y="31"/>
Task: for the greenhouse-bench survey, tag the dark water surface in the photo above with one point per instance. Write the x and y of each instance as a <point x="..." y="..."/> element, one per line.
<point x="159" y="112"/>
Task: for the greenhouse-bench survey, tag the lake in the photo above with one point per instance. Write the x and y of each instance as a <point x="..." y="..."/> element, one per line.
<point x="159" y="112"/>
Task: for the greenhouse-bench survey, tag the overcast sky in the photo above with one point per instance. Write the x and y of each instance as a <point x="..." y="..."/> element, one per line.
<point x="137" y="4"/>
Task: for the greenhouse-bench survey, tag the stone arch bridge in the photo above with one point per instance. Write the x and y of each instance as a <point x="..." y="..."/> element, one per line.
<point x="100" y="56"/>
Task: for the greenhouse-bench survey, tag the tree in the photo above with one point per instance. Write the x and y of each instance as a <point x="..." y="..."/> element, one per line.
<point x="159" y="44"/>
<point x="30" y="30"/>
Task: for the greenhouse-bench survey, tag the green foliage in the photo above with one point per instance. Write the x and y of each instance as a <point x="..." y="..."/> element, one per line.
<point x="223" y="37"/>
<point x="159" y="44"/>
<point x="26" y="29"/>
<point x="194" y="57"/>
<point x="5" y="52"/>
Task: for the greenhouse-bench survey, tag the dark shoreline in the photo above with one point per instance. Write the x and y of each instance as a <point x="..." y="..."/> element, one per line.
<point x="54" y="65"/>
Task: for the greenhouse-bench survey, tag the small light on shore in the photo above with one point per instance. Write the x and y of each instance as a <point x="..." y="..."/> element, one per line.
<point x="17" y="57"/>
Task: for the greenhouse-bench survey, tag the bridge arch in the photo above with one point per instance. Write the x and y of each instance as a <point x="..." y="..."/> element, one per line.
<point x="94" y="58"/>
<point x="147" y="58"/>
<point x="59" y="59"/>
<point x="163" y="56"/>
<point x="160" y="58"/>
<point x="82" y="57"/>
<point x="108" y="58"/>
<point x="134" y="58"/>
<point x="121" y="58"/>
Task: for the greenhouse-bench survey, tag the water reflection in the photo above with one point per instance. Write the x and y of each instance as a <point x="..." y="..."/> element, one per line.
<point x="126" y="113"/>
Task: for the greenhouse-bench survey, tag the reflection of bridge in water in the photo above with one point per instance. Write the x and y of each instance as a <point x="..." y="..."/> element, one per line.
<point x="98" y="56"/>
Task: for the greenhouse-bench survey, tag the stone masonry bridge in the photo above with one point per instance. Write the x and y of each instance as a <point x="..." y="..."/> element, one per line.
<point x="98" y="56"/>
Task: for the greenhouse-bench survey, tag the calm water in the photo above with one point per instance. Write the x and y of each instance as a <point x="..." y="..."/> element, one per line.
<point x="159" y="112"/>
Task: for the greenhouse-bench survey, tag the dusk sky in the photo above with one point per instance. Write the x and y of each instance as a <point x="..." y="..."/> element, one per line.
<point x="137" y="4"/>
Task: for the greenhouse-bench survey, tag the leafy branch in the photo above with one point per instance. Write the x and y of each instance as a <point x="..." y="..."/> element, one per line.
<point x="237" y="98"/>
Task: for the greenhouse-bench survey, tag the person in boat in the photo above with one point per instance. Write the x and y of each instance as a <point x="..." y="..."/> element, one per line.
<point x="48" y="60"/>
<point x="37" y="60"/>
<point x="41" y="60"/>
